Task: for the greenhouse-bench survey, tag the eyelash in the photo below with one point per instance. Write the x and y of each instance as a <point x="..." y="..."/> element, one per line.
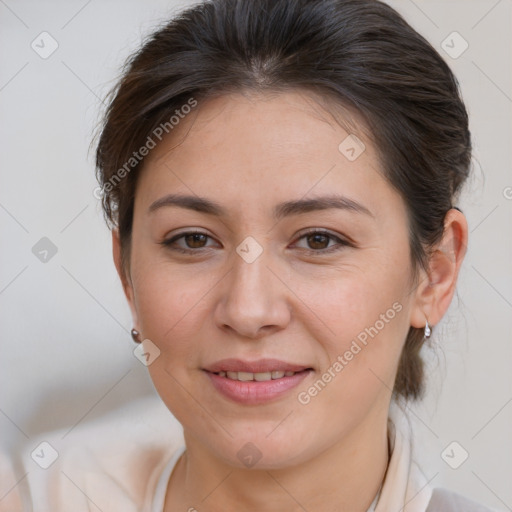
<point x="341" y="243"/>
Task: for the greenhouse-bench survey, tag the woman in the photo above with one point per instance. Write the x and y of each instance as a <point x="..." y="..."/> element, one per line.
<point x="281" y="180"/>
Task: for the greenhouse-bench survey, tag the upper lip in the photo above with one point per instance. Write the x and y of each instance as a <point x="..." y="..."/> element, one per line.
<point x="259" y="366"/>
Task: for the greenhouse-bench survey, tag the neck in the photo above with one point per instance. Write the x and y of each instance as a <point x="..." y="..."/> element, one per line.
<point x="343" y="478"/>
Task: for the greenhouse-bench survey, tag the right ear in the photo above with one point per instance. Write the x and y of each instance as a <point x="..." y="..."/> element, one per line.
<point x="125" y="279"/>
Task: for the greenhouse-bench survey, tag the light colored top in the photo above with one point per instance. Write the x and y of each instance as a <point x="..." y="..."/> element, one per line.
<point x="412" y="489"/>
<point x="161" y="488"/>
<point x="123" y="462"/>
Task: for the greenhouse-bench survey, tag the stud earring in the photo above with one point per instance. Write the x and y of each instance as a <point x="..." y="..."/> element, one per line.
<point x="135" y="336"/>
<point x="428" y="330"/>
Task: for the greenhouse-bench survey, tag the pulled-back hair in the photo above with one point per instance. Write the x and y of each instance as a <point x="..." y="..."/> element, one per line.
<point x="361" y="54"/>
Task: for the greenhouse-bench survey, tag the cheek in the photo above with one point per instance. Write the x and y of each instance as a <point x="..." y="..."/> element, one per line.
<point x="351" y="300"/>
<point x="169" y="304"/>
<point x="360" y="317"/>
<point x="171" y="309"/>
<point x="360" y="358"/>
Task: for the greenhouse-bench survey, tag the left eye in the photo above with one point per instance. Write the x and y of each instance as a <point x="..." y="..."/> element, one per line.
<point x="318" y="241"/>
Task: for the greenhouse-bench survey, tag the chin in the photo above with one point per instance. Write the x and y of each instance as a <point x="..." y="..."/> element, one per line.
<point x="262" y="452"/>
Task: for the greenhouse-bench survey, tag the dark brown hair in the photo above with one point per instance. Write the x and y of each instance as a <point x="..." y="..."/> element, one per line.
<point x="361" y="53"/>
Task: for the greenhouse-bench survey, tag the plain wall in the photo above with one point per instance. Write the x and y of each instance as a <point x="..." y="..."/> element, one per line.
<point x="65" y="344"/>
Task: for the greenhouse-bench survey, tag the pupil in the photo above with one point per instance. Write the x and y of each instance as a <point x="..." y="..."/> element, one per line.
<point x="195" y="238"/>
<point x="318" y="239"/>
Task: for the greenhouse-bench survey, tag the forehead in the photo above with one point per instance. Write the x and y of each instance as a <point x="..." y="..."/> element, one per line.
<point x="296" y="118"/>
<point x="249" y="147"/>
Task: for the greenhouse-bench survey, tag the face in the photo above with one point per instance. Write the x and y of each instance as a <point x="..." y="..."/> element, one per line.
<point x="289" y="255"/>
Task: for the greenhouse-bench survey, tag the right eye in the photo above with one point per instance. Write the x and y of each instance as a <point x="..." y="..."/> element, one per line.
<point x="194" y="242"/>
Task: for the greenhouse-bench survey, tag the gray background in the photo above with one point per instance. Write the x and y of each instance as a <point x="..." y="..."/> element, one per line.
<point x="66" y="351"/>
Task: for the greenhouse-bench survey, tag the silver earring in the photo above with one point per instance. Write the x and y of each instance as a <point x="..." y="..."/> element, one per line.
<point x="135" y="335"/>
<point x="428" y="330"/>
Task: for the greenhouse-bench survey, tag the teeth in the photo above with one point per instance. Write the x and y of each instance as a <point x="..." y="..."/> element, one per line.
<point x="259" y="377"/>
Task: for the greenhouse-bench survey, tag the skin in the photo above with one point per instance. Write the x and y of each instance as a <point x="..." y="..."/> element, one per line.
<point x="249" y="152"/>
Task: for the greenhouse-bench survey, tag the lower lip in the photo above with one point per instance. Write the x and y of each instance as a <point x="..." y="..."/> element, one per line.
<point x="256" y="392"/>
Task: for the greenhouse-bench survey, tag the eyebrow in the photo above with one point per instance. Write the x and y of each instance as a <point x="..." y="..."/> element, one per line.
<point x="286" y="209"/>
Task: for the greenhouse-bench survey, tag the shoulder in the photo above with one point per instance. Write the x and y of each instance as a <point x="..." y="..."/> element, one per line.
<point x="10" y="495"/>
<point x="444" y="500"/>
<point x="113" y="463"/>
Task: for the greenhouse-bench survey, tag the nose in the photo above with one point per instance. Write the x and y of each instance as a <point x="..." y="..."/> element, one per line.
<point x="253" y="301"/>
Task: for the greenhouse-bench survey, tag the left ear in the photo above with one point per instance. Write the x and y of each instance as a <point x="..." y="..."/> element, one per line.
<point x="436" y="288"/>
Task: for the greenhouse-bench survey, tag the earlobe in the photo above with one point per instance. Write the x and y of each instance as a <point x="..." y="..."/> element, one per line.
<point x="436" y="289"/>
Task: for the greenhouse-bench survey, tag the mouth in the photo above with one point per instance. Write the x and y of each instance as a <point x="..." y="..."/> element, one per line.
<point x="261" y="366"/>
<point x="256" y="382"/>
<point x="258" y="377"/>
